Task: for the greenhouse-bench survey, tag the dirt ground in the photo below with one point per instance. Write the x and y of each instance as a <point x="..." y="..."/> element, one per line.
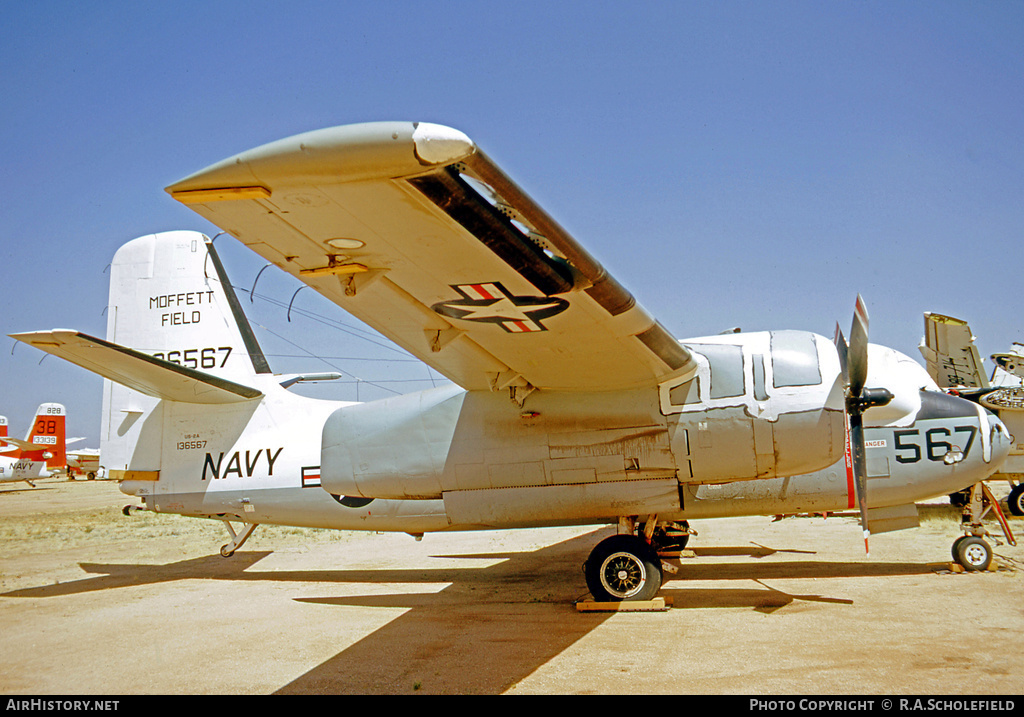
<point x="94" y="602"/>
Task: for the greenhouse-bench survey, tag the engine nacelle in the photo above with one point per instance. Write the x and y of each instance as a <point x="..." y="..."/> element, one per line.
<point x="759" y="406"/>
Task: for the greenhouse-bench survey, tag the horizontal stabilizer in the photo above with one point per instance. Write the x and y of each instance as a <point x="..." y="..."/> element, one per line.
<point x="18" y="443"/>
<point x="136" y="370"/>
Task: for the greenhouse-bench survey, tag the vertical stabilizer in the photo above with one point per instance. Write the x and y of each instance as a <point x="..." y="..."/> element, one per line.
<point x="169" y="298"/>
<point x="47" y="432"/>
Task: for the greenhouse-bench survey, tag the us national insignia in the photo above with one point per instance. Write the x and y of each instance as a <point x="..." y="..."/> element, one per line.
<point x="493" y="304"/>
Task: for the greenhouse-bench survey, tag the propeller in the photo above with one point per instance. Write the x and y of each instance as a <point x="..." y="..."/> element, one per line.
<point x="853" y="362"/>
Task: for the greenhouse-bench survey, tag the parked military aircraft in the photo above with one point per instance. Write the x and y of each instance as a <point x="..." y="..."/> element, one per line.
<point x="41" y="454"/>
<point x="570" y="404"/>
<point x="953" y="361"/>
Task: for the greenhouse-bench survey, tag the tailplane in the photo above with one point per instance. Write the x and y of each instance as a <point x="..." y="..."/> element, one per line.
<point x="175" y="332"/>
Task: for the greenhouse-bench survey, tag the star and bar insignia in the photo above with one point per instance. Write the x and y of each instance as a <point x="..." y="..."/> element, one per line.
<point x="492" y="303"/>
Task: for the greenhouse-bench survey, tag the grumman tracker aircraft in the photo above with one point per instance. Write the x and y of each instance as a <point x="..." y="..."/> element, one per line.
<point x="41" y="454"/>
<point x="570" y="404"/>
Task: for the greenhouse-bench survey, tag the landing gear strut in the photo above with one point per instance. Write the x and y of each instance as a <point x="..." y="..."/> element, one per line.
<point x="237" y="539"/>
<point x="971" y="550"/>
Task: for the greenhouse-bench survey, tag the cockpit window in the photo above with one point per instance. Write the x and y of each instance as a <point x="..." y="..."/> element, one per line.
<point x="794" y="359"/>
<point x="726" y="368"/>
<point x="685" y="394"/>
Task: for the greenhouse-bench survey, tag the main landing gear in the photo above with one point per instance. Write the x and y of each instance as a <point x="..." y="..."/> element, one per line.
<point x="627" y="566"/>
<point x="971" y="551"/>
<point x="1015" y="501"/>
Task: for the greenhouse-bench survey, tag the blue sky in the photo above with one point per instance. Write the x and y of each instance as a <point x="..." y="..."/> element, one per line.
<point x="732" y="163"/>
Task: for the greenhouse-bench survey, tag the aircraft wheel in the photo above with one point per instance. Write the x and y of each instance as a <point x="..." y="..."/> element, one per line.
<point x="1015" y="501"/>
<point x="225" y="552"/>
<point x="972" y="553"/>
<point x="672" y="537"/>
<point x="623" y="567"/>
<point x="956" y="547"/>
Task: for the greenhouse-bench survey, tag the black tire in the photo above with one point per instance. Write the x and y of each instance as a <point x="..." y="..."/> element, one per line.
<point x="623" y="567"/>
<point x="1015" y="501"/>
<point x="956" y="547"/>
<point x="973" y="553"/>
<point x="671" y="539"/>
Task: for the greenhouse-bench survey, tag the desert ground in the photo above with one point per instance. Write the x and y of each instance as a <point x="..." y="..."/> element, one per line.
<point x="93" y="602"/>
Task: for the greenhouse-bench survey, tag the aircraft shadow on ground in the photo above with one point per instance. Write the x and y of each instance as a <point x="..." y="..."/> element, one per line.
<point x="489" y="627"/>
<point x="15" y="489"/>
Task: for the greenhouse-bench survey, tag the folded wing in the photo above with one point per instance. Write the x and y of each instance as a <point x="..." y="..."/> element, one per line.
<point x="413" y="230"/>
<point x="950" y="354"/>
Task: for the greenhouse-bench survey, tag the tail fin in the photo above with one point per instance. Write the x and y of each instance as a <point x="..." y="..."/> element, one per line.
<point x="47" y="436"/>
<point x="170" y="298"/>
<point x="175" y="333"/>
<point x="3" y="426"/>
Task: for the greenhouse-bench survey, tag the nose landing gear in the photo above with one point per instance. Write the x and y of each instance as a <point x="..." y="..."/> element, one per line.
<point x="971" y="551"/>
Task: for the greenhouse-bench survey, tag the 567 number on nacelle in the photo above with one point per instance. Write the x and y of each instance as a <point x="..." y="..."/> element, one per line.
<point x="909" y="447"/>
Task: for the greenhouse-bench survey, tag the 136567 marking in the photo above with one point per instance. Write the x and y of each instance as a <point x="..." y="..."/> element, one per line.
<point x="197" y="358"/>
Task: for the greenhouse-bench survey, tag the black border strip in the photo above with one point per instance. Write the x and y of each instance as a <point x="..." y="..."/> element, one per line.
<point x="252" y="346"/>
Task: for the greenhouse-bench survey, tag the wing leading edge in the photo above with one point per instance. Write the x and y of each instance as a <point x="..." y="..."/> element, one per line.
<point x="413" y="230"/>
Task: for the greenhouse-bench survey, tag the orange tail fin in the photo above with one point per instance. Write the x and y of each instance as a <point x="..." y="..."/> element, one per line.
<point x="47" y="432"/>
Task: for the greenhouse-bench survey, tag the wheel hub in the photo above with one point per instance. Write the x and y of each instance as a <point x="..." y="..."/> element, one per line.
<point x="975" y="555"/>
<point x="623" y="575"/>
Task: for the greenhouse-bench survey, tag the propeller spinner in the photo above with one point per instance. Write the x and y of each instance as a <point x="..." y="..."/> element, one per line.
<point x="853" y="362"/>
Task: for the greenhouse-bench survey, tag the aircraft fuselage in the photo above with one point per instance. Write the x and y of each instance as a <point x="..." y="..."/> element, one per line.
<point x="449" y="459"/>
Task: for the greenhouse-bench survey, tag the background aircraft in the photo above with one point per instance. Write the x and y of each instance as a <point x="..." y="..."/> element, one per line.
<point x="953" y="361"/>
<point x="570" y="404"/>
<point x="41" y="454"/>
<point x="85" y="462"/>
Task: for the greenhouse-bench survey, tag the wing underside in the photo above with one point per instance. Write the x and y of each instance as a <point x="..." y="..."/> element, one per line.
<point x="950" y="354"/>
<point x="413" y="230"/>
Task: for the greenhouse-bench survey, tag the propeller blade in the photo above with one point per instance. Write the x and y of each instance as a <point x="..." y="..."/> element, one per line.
<point x="853" y="361"/>
<point x="860" y="471"/>
<point x="858" y="352"/>
<point x="843" y="349"/>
